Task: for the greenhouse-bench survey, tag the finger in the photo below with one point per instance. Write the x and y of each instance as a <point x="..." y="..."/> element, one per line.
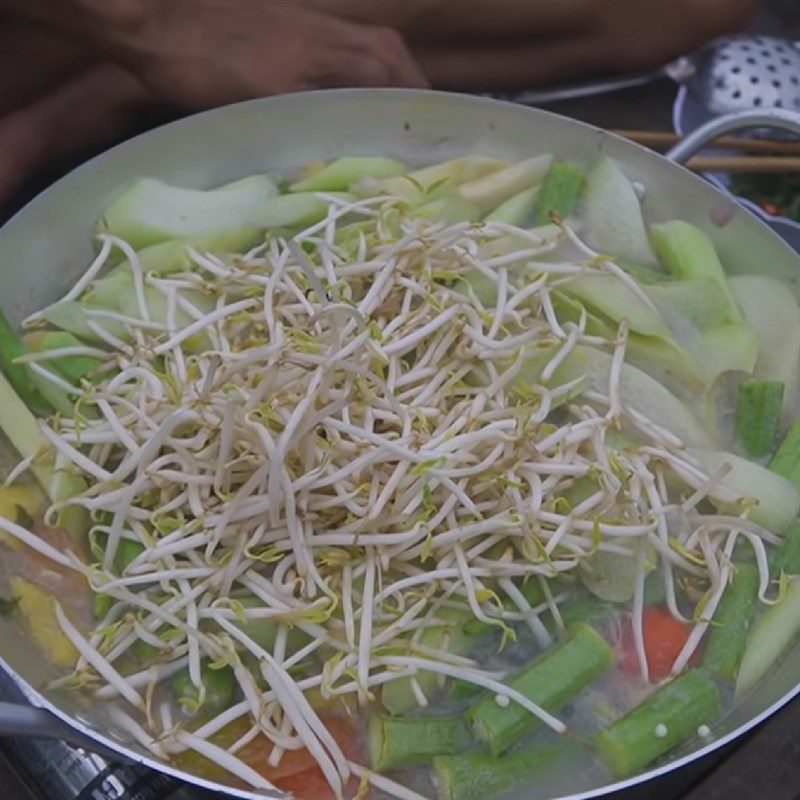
<point x="353" y="69"/>
<point x="388" y="46"/>
<point x="404" y="70"/>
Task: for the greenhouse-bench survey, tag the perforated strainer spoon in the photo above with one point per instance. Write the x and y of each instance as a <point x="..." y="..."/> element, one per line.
<point x="742" y="73"/>
<point x="739" y="75"/>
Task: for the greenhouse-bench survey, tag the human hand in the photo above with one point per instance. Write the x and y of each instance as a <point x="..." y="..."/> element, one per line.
<point x="511" y="44"/>
<point x="202" y="53"/>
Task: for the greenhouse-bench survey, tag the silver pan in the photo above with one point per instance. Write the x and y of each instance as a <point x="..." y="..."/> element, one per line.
<point x="47" y="244"/>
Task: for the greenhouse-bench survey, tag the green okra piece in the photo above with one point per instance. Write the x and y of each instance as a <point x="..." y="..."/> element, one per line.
<point x="560" y="192"/>
<point x="668" y="717"/>
<point x="579" y="609"/>
<point x="728" y="635"/>
<point x="397" y="696"/>
<point x="463" y="690"/>
<point x="477" y="775"/>
<point x="396" y="742"/>
<point x="786" y="461"/>
<point x="758" y="415"/>
<point x="549" y="681"/>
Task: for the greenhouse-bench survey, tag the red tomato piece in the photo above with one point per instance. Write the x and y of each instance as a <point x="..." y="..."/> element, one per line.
<point x="664" y="638"/>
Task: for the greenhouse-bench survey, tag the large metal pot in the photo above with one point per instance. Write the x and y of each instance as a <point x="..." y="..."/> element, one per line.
<point x="47" y="244"/>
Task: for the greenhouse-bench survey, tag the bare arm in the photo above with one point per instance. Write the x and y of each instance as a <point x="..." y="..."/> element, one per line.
<point x="504" y="44"/>
<point x="88" y="20"/>
<point x="200" y="53"/>
<point x="468" y="20"/>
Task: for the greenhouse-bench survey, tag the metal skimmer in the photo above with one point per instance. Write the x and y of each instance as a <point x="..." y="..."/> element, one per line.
<point x="746" y="72"/>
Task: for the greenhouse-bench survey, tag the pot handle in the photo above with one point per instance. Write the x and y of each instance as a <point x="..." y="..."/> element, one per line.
<point x="776" y="118"/>
<point x="18" y="719"/>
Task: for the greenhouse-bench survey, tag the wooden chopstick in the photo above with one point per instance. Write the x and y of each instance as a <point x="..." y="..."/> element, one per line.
<point x="772" y="164"/>
<point x="664" y="139"/>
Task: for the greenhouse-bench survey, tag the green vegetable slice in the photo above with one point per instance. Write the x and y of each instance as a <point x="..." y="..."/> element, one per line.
<point x="663" y="721"/>
<point x="549" y="681"/>
<point x="728" y="634"/>
<point x="396" y="742"/>
<point x="477" y="776"/>
<point x="614" y="214"/>
<point x="786" y="461"/>
<point x="340" y="174"/>
<point x="770" y="636"/>
<point x="11" y="348"/>
<point x="560" y="192"/>
<point x="149" y="211"/>
<point x="688" y="253"/>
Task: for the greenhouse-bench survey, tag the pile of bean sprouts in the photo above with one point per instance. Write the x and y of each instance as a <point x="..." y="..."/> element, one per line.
<point x="352" y="440"/>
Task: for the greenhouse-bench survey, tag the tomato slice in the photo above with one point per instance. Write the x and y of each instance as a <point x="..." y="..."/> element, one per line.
<point x="312" y="785"/>
<point x="297" y="771"/>
<point x="664" y="638"/>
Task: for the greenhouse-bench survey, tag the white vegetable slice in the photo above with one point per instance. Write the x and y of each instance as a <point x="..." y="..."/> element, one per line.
<point x="730" y="347"/>
<point x="517" y="210"/>
<point x="670" y="364"/>
<point x="493" y="189"/>
<point x="771" y="310"/>
<point x="343" y="172"/>
<point x="542" y="236"/>
<point x="17" y="422"/>
<point x="453" y="172"/>
<point x="614" y="299"/>
<point x="641" y="392"/>
<point x="687" y="252"/>
<point x="696" y="303"/>
<point x="614" y="214"/>
<point x="769" y="637"/>
<point x="450" y="207"/>
<point x="612" y="576"/>
<point x="777" y="501"/>
<point x="661" y="357"/>
<point x="71" y="316"/>
<point x="150" y="211"/>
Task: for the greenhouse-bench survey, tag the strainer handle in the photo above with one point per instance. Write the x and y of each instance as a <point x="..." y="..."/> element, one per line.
<point x="24" y="721"/>
<point x="778" y="118"/>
